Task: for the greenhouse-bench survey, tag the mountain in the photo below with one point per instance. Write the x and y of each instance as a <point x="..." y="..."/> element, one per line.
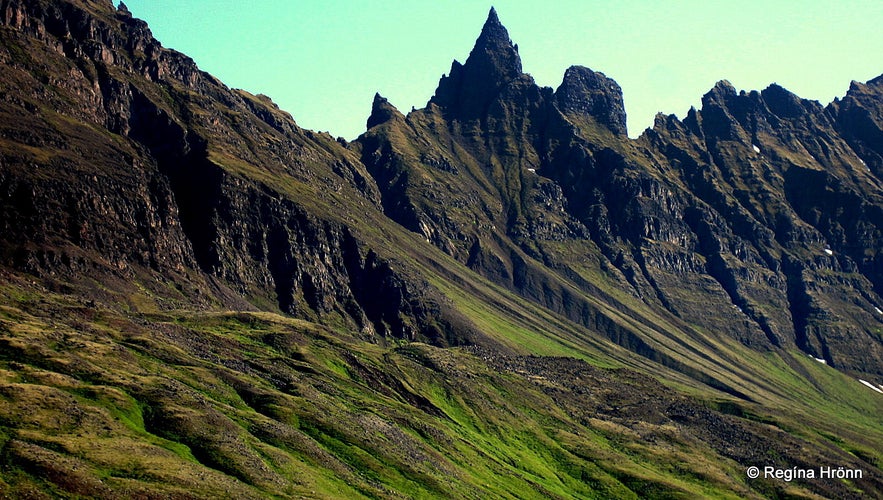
<point x="498" y="295"/>
<point x="757" y="217"/>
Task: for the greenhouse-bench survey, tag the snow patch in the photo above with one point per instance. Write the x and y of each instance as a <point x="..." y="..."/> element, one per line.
<point x="870" y="385"/>
<point x="878" y="310"/>
<point x="532" y="170"/>
<point x="756" y="149"/>
<point x="829" y="251"/>
<point x="820" y="360"/>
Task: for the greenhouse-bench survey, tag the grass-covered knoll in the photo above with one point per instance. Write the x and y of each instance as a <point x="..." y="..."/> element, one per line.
<point x="98" y="401"/>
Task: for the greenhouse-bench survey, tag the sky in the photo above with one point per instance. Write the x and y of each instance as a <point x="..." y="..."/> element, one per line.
<point x="323" y="61"/>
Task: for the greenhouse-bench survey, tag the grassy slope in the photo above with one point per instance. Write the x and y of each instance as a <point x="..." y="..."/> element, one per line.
<point x="124" y="400"/>
<point x="785" y="382"/>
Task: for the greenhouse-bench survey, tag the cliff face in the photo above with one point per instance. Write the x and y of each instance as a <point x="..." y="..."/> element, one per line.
<point x="786" y="213"/>
<point x="120" y="156"/>
<point x="756" y="217"/>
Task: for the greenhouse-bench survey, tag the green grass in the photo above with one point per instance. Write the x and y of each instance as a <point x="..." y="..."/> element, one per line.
<point x="256" y="402"/>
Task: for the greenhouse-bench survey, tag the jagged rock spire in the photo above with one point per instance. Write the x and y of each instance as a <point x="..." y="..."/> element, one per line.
<point x="493" y="62"/>
<point x="381" y="111"/>
<point x="492" y="17"/>
<point x="494" y="50"/>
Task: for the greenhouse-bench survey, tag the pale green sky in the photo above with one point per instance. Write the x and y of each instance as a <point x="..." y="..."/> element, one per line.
<point x="323" y="60"/>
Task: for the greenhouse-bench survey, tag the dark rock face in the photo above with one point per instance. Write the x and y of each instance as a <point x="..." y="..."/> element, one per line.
<point x="586" y="92"/>
<point x="859" y="121"/>
<point x="801" y="205"/>
<point x="493" y="62"/>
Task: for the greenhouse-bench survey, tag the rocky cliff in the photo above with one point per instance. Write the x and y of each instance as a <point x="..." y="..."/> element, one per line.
<point x="122" y="157"/>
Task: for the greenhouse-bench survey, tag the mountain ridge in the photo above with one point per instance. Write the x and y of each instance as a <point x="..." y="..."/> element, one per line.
<point x="727" y="117"/>
<point x="177" y="252"/>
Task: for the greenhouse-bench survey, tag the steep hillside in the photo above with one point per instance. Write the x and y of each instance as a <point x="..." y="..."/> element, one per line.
<point x="499" y="295"/>
<point x="757" y="218"/>
<point x="121" y="158"/>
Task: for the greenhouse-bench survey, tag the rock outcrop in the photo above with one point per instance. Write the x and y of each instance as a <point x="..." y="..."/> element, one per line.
<point x="584" y="92"/>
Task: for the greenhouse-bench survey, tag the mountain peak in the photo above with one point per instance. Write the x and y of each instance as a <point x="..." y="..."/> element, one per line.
<point x="782" y="102"/>
<point x="182" y="267"/>
<point x="493" y="45"/>
<point x="493" y="30"/>
<point x="721" y="91"/>
<point x="492" y="63"/>
<point x="584" y="92"/>
<point x="381" y="111"/>
<point x="492" y="18"/>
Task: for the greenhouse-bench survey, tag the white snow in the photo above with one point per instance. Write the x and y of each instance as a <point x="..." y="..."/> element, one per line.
<point x="820" y="360"/>
<point x="870" y="385"/>
<point x="756" y="149"/>
<point x="878" y="310"/>
<point x="829" y="251"/>
<point x="532" y="170"/>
